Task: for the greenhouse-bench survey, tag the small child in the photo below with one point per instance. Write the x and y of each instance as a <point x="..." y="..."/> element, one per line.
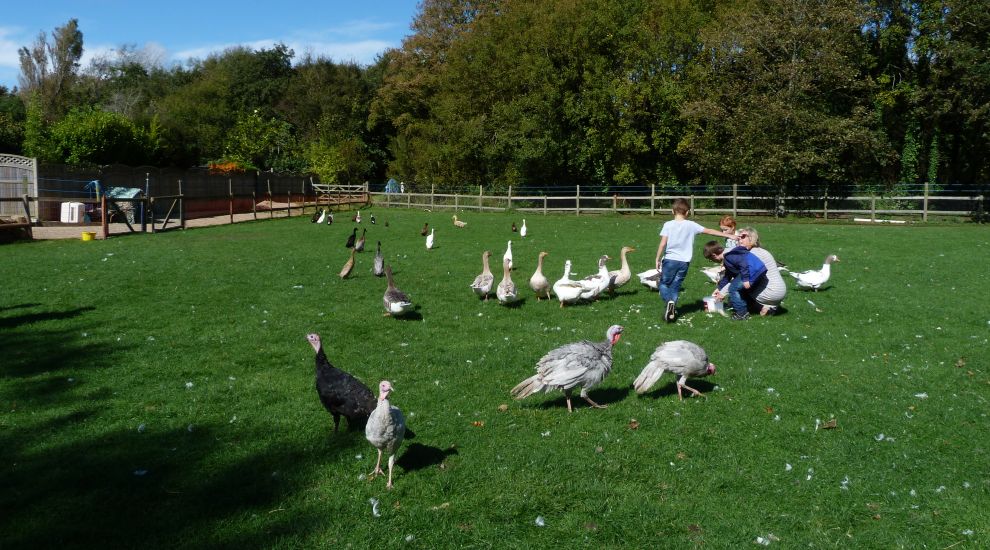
<point x="743" y="272"/>
<point x="676" y="250"/>
<point x="728" y="225"/>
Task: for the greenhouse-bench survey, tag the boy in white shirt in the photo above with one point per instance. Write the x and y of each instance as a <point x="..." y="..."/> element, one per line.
<point x="677" y="240"/>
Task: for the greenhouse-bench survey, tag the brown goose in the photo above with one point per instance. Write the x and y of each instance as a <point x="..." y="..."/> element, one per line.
<point x="622" y="275"/>
<point x="539" y="282"/>
<point x="359" y="245"/>
<point x="582" y="364"/>
<point x="395" y="301"/>
<point x="506" y="291"/>
<point x="482" y="284"/>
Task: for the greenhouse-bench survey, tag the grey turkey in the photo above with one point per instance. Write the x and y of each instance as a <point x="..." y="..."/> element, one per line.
<point x="680" y="357"/>
<point x="341" y="393"/>
<point x="385" y="430"/>
<point x="582" y="363"/>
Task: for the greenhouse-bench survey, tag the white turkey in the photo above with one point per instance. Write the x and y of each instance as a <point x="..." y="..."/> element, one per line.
<point x="385" y="430"/>
<point x="814" y="278"/>
<point x="482" y="284"/>
<point x="582" y="363"/>
<point x="680" y="357"/>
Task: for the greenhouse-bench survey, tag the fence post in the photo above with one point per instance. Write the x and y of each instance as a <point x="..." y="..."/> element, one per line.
<point x="615" y="197"/>
<point x="508" y="200"/>
<point x="455" y="200"/>
<point x="27" y="208"/>
<point x="271" y="200"/>
<point x="254" y="204"/>
<point x="432" y="196"/>
<point x="691" y="205"/>
<point x="481" y="196"/>
<point x="288" y="205"/>
<point x="825" y="209"/>
<point x="230" y="198"/>
<point x="544" y="205"/>
<point x="653" y="198"/>
<point x="735" y="200"/>
<point x="182" y="207"/>
<point x="924" y="208"/>
<point x="577" y="203"/>
<point x="873" y="208"/>
<point x="151" y="208"/>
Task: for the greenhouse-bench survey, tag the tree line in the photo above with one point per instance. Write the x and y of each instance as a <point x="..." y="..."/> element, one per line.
<point x="782" y="95"/>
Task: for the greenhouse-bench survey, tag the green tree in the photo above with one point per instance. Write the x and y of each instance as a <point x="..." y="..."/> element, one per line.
<point x="49" y="68"/>
<point x="91" y="136"/>
<point x="780" y="99"/>
<point x="258" y="143"/>
<point x="12" y="116"/>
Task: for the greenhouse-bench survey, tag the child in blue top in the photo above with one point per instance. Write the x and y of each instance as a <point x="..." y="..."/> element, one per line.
<point x="677" y="240"/>
<point x="743" y="271"/>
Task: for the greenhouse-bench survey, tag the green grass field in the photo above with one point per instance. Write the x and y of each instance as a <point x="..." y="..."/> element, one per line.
<point x="157" y="392"/>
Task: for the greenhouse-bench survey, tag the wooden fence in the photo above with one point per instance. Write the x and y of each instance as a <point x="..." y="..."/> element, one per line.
<point x="871" y="206"/>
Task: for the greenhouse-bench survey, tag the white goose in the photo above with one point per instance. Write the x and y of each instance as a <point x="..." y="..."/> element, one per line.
<point x="429" y="239"/>
<point x="507" y="257"/>
<point x="538" y="282"/>
<point x="714" y="273"/>
<point x="506" y="291"/>
<point x="458" y="223"/>
<point x="482" y="284"/>
<point x="650" y="278"/>
<point x="567" y="291"/>
<point x="814" y="278"/>
<point x="620" y="276"/>
<point x="522" y="230"/>
<point x="595" y="284"/>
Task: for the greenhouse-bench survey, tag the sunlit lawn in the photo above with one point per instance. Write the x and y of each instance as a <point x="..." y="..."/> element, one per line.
<point x="157" y="392"/>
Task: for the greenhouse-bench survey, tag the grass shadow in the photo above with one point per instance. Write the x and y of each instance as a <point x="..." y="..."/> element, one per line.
<point x="419" y="456"/>
<point x="670" y="389"/>
<point x="28" y="318"/>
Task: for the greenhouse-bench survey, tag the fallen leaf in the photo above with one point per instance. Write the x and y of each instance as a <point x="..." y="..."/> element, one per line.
<point x="694" y="528"/>
<point x="829" y="425"/>
<point x="441" y="506"/>
<point x="961" y="362"/>
<point x="768" y="409"/>
<point x="599" y="449"/>
<point x="633" y="424"/>
<point x="681" y="456"/>
<point x="503" y="407"/>
<point x="876" y="516"/>
<point x="478" y="424"/>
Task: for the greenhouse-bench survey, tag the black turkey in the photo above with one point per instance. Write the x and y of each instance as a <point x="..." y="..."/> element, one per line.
<point x="341" y="393"/>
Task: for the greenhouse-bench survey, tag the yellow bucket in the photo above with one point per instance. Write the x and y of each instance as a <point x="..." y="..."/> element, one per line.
<point x="88" y="235"/>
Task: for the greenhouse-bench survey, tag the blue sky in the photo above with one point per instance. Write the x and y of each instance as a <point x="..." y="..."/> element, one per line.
<point x="177" y="30"/>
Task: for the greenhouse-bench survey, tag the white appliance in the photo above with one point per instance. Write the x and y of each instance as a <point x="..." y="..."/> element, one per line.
<point x="72" y="212"/>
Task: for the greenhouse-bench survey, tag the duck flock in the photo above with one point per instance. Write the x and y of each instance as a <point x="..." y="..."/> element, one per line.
<point x="581" y="364"/>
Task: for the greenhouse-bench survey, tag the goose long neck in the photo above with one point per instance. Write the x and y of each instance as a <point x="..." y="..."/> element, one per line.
<point x="484" y="263"/>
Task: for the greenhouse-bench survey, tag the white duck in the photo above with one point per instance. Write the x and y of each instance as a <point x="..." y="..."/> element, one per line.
<point x="385" y="430"/>
<point x="395" y="301"/>
<point x="323" y="216"/>
<point x="538" y="282"/>
<point x="357" y="218"/>
<point x="506" y="291"/>
<point x="522" y="230"/>
<point x="650" y="278"/>
<point x="620" y="276"/>
<point x="814" y="278"/>
<point x="482" y="284"/>
<point x="567" y="291"/>
<point x="429" y="239"/>
<point x="595" y="284"/>
<point x="507" y="257"/>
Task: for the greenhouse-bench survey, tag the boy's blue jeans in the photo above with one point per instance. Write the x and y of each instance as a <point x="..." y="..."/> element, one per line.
<point x="736" y="299"/>
<point x="672" y="273"/>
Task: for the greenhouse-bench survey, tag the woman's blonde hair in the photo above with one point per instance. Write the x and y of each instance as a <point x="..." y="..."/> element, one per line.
<point x="754" y="235"/>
